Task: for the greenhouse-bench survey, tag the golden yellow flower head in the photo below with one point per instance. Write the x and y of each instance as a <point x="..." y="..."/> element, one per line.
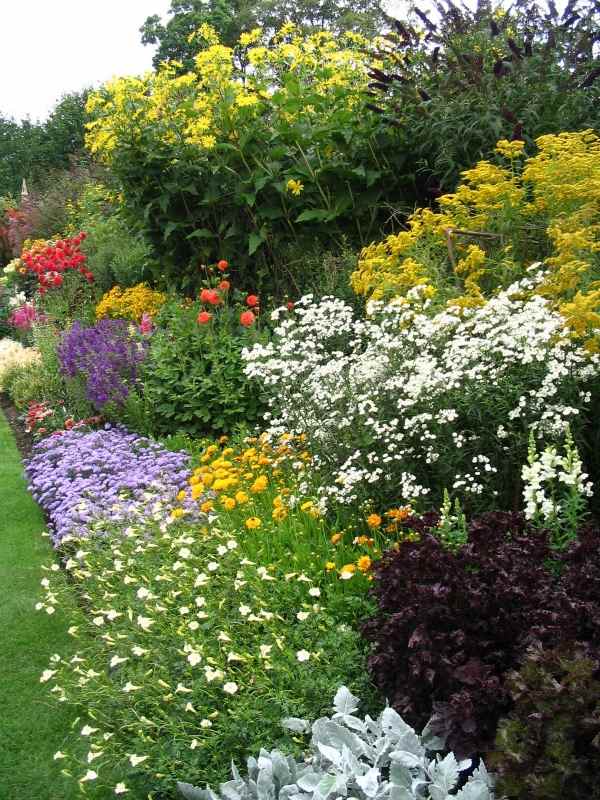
<point x="294" y="187"/>
<point x="364" y="563"/>
<point x="510" y="149"/>
<point x="260" y="484"/>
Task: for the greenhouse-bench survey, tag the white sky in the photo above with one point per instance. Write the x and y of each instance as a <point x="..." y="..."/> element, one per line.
<point x="51" y="47"/>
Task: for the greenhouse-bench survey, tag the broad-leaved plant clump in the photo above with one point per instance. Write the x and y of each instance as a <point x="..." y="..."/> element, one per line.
<point x="548" y="745"/>
<point x="193" y="380"/>
<point x="452" y="624"/>
<point x="361" y="758"/>
<point x="262" y="145"/>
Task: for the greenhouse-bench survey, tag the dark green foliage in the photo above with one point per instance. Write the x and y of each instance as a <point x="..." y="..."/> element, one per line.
<point x="33" y="150"/>
<point x="193" y="379"/>
<point x="467" y="78"/>
<point x="549" y="745"/>
<point x="232" y="17"/>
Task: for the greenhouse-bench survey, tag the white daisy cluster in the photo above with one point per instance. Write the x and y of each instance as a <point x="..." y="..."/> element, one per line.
<point x="408" y="403"/>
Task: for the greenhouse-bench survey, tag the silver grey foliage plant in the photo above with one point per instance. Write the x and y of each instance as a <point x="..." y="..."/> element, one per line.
<point x="357" y="759"/>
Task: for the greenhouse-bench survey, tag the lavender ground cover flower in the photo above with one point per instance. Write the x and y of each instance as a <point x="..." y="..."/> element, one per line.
<point x="106" y="355"/>
<point x="93" y="482"/>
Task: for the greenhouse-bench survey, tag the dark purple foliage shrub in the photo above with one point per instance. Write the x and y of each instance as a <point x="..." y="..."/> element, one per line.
<point x="101" y="481"/>
<point x="106" y="355"/>
<point x="451" y="625"/>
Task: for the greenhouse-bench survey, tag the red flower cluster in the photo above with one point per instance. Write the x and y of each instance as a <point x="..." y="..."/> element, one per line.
<point x="211" y="296"/>
<point x="218" y="296"/>
<point x="36" y="413"/>
<point x="49" y="263"/>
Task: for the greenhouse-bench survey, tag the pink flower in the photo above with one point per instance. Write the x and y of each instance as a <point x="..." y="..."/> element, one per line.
<point x="23" y="317"/>
<point x="146" y="325"/>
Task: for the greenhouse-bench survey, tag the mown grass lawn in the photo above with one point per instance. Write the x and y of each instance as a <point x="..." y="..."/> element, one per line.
<point x="32" y="728"/>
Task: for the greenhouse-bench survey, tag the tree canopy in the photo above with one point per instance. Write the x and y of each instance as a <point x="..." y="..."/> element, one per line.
<point x="31" y="150"/>
<point x="232" y="17"/>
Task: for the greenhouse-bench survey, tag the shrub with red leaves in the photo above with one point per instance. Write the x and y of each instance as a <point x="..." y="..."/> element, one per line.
<point x="451" y="625"/>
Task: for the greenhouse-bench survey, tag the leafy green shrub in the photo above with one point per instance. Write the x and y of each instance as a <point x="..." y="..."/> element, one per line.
<point x="193" y="378"/>
<point x="116" y="252"/>
<point x="75" y="300"/>
<point x="548" y="747"/>
<point x="471" y="77"/>
<point x="261" y="146"/>
<point x="364" y="758"/>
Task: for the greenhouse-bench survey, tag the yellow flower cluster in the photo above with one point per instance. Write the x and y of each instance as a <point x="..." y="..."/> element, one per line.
<point x="233" y="479"/>
<point x="499" y="221"/>
<point x="254" y="489"/>
<point x="130" y="303"/>
<point x="382" y="528"/>
<point x="217" y="100"/>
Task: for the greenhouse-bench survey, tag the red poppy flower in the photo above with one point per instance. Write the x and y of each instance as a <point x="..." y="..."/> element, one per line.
<point x="252" y="300"/>
<point x="204" y="318"/>
<point x="224" y="286"/>
<point x="222" y="265"/>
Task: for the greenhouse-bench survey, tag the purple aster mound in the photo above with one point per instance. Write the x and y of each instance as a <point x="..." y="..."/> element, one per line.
<point x="99" y="481"/>
<point x="106" y="355"/>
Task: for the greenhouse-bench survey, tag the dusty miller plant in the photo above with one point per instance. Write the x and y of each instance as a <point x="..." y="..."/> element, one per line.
<point x="355" y="758"/>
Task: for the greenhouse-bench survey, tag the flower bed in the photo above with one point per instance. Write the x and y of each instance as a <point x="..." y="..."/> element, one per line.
<point x="92" y="482"/>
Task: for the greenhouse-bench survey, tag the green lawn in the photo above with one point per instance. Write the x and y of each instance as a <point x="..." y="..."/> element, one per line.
<point x="32" y="728"/>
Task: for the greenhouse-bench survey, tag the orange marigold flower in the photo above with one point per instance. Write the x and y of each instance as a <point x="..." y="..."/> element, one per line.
<point x="337" y="537"/>
<point x="373" y="520"/>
